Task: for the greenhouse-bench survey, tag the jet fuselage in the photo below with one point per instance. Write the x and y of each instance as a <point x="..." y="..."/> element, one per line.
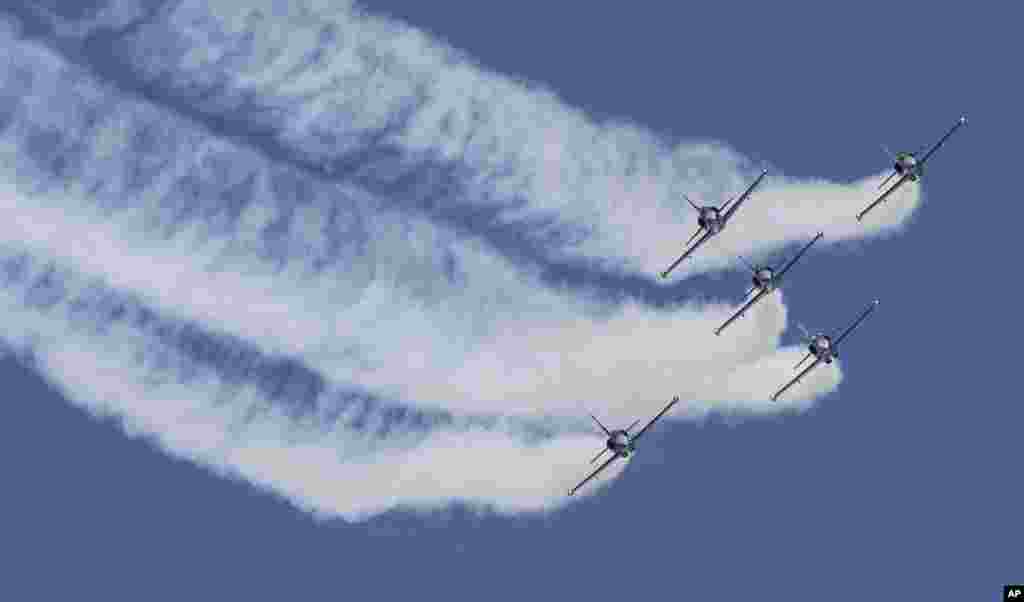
<point x="764" y="277"/>
<point x="620" y="444"/>
<point x="710" y="219"/>
<point x="906" y="163"/>
<point x="821" y="348"/>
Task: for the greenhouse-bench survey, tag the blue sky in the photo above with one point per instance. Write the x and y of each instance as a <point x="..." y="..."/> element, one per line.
<point x="905" y="481"/>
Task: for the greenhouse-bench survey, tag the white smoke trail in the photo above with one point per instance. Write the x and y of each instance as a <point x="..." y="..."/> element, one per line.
<point x="113" y="367"/>
<point x="309" y="270"/>
<point x="328" y="80"/>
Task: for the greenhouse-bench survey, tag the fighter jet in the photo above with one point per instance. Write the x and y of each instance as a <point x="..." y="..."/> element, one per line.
<point x="620" y="443"/>
<point x="824" y="348"/>
<point x="765" y="280"/>
<point x="908" y="167"/>
<point x="712" y="220"/>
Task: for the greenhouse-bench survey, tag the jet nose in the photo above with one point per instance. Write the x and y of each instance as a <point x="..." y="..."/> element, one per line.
<point x="963" y="119"/>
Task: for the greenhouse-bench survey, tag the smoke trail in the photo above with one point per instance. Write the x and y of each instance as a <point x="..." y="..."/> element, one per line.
<point x="112" y="364"/>
<point x="214" y="234"/>
<point x="336" y="91"/>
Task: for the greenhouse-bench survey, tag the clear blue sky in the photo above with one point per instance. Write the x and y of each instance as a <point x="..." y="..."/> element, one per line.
<point x="904" y="485"/>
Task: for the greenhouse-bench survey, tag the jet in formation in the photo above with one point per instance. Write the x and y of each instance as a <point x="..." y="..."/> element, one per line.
<point x="824" y="348"/>
<point x="766" y="280"/>
<point x="711" y="220"/>
<point x="620" y="442"/>
<point x="908" y="167"/>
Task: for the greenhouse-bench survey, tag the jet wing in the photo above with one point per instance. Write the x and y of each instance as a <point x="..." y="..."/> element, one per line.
<point x="796" y="379"/>
<point x="932" y="150"/>
<point x="637" y="436"/>
<point x="856" y="322"/>
<point x="743" y="197"/>
<point x="884" y="195"/>
<point x="797" y="257"/>
<point x="689" y="252"/>
<point x="593" y="474"/>
<point x="743" y="310"/>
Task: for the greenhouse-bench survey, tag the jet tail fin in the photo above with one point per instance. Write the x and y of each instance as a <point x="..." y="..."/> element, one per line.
<point x="892" y="157"/>
<point x="803" y="332"/>
<point x="603" y="427"/>
<point x="692" y="204"/>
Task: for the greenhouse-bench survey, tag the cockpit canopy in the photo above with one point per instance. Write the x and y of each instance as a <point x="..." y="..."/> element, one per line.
<point x="765" y="274"/>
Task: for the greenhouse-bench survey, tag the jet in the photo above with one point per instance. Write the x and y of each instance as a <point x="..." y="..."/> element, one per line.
<point x="620" y="442"/>
<point x="712" y="220"/>
<point x="766" y="280"/>
<point x="908" y="167"/>
<point x="824" y="348"/>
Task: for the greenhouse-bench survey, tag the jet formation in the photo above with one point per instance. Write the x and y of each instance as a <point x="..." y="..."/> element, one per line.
<point x="823" y="348"/>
